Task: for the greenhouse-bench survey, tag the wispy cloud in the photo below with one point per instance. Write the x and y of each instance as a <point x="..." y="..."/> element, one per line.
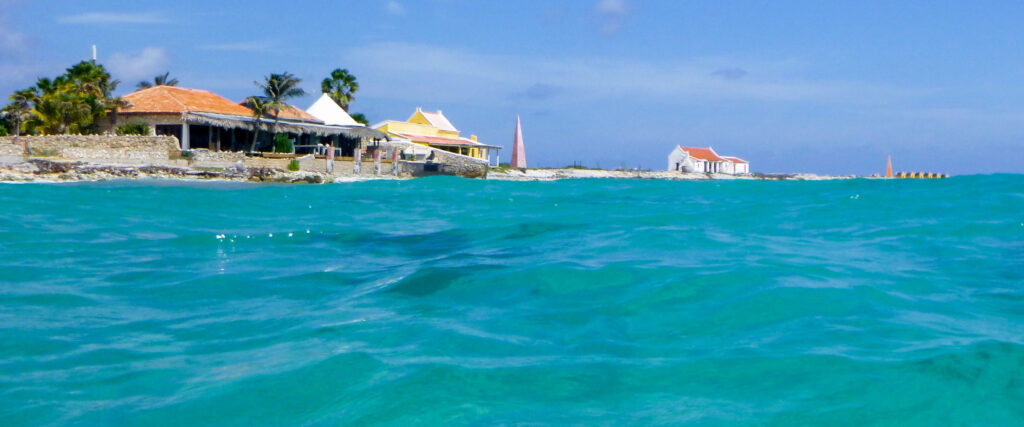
<point x="17" y="66"/>
<point x="730" y="73"/>
<point x="449" y="75"/>
<point x="252" y="46"/>
<point x="11" y="41"/>
<point x="147" y="63"/>
<point x="612" y="7"/>
<point x="613" y="14"/>
<point x="114" y="18"/>
<point x="395" y="8"/>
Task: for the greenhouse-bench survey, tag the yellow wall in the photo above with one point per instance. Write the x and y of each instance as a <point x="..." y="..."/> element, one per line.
<point x="419" y="125"/>
<point x="418" y="117"/>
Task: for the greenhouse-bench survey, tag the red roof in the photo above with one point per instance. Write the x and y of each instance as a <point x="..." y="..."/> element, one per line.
<point x="176" y="100"/>
<point x="439" y="140"/>
<point x="293" y="112"/>
<point x="734" y="159"/>
<point x="703" y="153"/>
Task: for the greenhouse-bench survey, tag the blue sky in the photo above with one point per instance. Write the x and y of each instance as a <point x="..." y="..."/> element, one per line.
<point x="792" y="86"/>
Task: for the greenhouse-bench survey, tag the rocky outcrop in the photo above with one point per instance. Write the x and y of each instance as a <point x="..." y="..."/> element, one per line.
<point x="441" y="162"/>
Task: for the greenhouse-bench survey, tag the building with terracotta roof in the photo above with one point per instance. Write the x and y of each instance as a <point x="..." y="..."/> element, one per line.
<point x="705" y="160"/>
<point x="203" y="119"/>
<point x="434" y="130"/>
<point x="736" y="165"/>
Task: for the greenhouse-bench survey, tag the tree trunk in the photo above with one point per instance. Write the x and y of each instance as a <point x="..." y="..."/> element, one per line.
<point x="255" y="137"/>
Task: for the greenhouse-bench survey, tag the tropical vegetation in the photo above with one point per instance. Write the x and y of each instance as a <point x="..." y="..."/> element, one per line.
<point x="133" y="128"/>
<point x="164" y="79"/>
<point x="359" y="118"/>
<point x="278" y="88"/>
<point x="259" y="110"/>
<point x="341" y="87"/>
<point x="74" y="102"/>
<point x="282" y="144"/>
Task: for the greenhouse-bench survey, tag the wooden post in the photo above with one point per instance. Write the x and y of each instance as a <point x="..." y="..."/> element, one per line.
<point x="376" y="161"/>
<point x="357" y="159"/>
<point x="394" y="162"/>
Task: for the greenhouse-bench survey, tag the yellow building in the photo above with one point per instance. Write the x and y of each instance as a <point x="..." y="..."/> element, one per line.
<point x="434" y="130"/>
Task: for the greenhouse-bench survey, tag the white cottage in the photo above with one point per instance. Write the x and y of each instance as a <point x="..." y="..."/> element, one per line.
<point x="704" y="160"/>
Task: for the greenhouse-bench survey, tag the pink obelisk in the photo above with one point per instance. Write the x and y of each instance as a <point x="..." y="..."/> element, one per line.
<point x="518" y="152"/>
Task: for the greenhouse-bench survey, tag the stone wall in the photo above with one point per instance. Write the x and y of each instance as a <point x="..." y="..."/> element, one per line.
<point x="106" y="149"/>
<point x="11" y="152"/>
<point x="203" y="158"/>
<point x="150" y="120"/>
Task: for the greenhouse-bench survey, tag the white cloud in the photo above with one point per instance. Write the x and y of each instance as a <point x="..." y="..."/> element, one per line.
<point x="446" y="75"/>
<point x="147" y="63"/>
<point x="11" y="41"/>
<point x="253" y="46"/>
<point x="114" y="18"/>
<point x="395" y="8"/>
<point x="612" y="7"/>
<point x="613" y="14"/>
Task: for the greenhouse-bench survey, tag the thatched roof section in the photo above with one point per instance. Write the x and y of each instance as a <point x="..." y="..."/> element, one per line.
<point x="242" y="122"/>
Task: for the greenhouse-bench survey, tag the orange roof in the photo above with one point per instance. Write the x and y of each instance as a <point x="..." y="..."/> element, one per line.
<point x="734" y="159"/>
<point x="703" y="153"/>
<point x="172" y="99"/>
<point x="439" y="140"/>
<point x="293" y="112"/>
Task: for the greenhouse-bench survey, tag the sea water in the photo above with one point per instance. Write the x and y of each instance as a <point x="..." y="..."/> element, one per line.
<point x="451" y="301"/>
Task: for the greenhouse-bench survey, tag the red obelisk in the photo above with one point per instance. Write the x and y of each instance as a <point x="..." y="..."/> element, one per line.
<point x="888" y="168"/>
<point x="518" y="152"/>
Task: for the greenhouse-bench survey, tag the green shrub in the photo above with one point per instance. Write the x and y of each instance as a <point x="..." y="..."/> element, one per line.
<point x="282" y="144"/>
<point x="293" y="165"/>
<point x="45" y="152"/>
<point x="134" y="128"/>
<point x="3" y="130"/>
<point x="187" y="155"/>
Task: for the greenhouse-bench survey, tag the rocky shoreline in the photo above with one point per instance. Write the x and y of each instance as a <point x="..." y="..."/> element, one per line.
<point x="569" y="173"/>
<point x="44" y="170"/>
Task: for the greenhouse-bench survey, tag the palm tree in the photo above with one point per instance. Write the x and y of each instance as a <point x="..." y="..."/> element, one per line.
<point x="164" y="79"/>
<point x="259" y="108"/>
<point x="20" y="108"/>
<point x="359" y="118"/>
<point x="341" y="87"/>
<point x="278" y="88"/>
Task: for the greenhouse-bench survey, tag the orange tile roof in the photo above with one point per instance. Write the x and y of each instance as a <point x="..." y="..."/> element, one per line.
<point x="172" y="99"/>
<point x="734" y="159"/>
<point x="703" y="153"/>
<point x="293" y="112"/>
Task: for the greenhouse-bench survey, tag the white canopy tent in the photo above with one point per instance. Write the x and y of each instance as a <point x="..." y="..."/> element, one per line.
<point x="330" y="112"/>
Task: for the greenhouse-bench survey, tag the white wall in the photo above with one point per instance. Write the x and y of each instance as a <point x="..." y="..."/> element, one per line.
<point x="677" y="157"/>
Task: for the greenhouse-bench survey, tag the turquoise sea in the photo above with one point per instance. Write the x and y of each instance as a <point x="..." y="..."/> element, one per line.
<point x="450" y="301"/>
